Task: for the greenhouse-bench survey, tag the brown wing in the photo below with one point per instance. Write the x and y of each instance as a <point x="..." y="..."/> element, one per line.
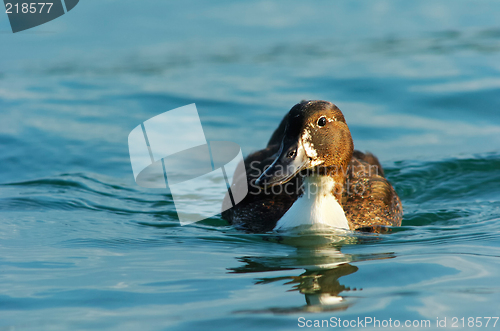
<point x="369" y="200"/>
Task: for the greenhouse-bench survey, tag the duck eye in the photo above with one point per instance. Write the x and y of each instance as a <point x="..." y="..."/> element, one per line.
<point x="322" y="121"/>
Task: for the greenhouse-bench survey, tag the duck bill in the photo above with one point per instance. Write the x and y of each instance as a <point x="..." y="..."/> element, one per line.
<point x="291" y="160"/>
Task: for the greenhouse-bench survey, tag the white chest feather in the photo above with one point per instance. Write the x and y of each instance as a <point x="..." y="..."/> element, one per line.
<point x="316" y="207"/>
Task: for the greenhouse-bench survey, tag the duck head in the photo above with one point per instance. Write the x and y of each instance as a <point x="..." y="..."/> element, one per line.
<point x="315" y="137"/>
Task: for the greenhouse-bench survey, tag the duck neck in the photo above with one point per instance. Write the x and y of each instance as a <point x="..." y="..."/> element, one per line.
<point x="318" y="205"/>
<point x="335" y="185"/>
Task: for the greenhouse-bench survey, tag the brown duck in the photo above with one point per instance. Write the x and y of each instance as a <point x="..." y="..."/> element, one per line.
<point x="310" y="175"/>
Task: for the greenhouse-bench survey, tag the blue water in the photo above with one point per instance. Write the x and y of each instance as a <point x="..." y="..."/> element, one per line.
<point x="82" y="247"/>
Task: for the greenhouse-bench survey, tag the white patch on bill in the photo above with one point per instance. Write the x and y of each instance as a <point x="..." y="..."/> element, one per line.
<point x="308" y="145"/>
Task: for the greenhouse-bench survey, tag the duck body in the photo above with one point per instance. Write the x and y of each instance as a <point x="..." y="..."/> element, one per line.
<point x="310" y="175"/>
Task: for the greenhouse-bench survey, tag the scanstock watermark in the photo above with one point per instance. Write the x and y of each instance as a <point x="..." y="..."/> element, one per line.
<point x="25" y="15"/>
<point x="373" y="322"/>
<point x="170" y="151"/>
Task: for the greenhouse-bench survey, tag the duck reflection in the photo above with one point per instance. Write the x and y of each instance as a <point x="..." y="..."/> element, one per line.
<point x="323" y="287"/>
<point x="321" y="282"/>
